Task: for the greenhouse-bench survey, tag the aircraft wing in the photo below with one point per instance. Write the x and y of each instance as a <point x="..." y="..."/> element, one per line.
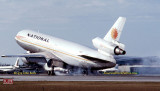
<point x="23" y="55"/>
<point x="46" y="55"/>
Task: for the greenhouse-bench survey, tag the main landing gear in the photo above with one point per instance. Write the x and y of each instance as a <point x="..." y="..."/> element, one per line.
<point x="51" y="72"/>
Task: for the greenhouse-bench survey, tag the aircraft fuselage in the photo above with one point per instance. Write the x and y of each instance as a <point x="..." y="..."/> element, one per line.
<point x="71" y="53"/>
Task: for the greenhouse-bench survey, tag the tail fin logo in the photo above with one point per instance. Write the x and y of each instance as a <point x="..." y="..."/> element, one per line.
<point x="114" y="33"/>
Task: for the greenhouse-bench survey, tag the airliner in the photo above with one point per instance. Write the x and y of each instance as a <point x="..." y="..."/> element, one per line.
<point x="10" y="68"/>
<point x="56" y="52"/>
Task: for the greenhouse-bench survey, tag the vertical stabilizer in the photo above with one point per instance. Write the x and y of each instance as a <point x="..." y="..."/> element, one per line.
<point x="16" y="63"/>
<point x="115" y="31"/>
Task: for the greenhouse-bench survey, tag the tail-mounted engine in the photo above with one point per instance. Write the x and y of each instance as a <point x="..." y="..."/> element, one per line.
<point x="112" y="47"/>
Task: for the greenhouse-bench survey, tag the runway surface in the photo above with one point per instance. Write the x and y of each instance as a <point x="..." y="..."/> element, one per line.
<point x="82" y="78"/>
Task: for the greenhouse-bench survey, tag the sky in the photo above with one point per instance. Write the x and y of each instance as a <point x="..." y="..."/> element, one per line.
<point x="80" y="21"/>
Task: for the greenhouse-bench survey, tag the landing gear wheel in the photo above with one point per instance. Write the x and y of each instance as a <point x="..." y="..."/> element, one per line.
<point x="49" y="72"/>
<point x="52" y="72"/>
<point x="85" y="72"/>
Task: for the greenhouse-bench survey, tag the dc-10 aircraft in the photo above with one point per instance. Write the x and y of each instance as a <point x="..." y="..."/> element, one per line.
<point x="10" y="68"/>
<point x="55" y="52"/>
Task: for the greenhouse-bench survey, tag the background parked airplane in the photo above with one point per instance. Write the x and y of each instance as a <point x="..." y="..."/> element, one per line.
<point x="10" y="68"/>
